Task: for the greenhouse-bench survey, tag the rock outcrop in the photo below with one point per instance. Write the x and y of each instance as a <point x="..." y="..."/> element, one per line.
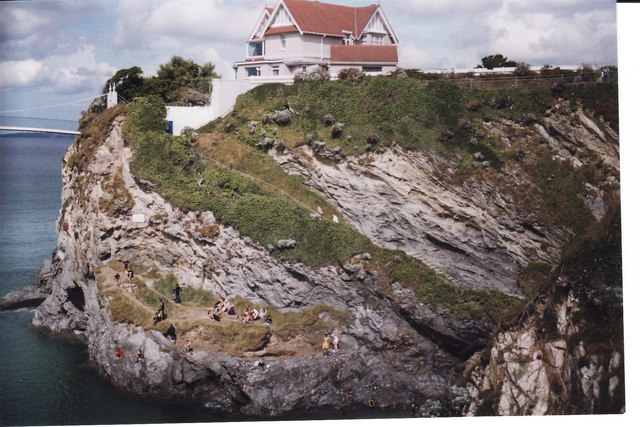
<point x="531" y="372"/>
<point x="393" y="347"/>
<point x="472" y="231"/>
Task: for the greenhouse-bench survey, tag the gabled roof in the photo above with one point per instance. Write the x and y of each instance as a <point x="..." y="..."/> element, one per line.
<point x="364" y="54"/>
<point x="330" y="19"/>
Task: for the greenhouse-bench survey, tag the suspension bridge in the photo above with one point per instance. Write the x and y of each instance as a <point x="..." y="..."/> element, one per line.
<point x="54" y="119"/>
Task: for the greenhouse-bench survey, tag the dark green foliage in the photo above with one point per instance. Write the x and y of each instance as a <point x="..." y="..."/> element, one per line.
<point x="146" y="115"/>
<point x="562" y="189"/>
<point x="129" y="83"/>
<point x="496" y="61"/>
<point x="178" y="81"/>
<point x="595" y="263"/>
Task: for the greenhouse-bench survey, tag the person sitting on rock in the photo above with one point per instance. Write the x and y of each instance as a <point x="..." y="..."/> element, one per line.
<point x="248" y="318"/>
<point x="176" y="293"/>
<point x="171" y="333"/>
<point x="262" y="313"/>
<point x="219" y="304"/>
<point x="232" y="310"/>
<point x="267" y="321"/>
<point x="157" y="318"/>
<point x="140" y="356"/>
<point x="117" y="277"/>
<point x="254" y="314"/>
<point x="226" y="305"/>
<point x="187" y="347"/>
<point x="119" y="353"/>
<point x="126" y="265"/>
<point x="210" y="314"/>
<point x="129" y="274"/>
<point x="161" y="308"/>
<point x="217" y="314"/>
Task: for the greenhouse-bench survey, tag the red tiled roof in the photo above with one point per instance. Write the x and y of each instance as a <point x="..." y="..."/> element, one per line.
<point x="282" y="30"/>
<point x="333" y="19"/>
<point x="364" y="54"/>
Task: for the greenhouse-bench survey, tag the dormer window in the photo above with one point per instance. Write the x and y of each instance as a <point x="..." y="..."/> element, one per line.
<point x="377" y="40"/>
<point x="255" y="49"/>
<point x="346" y="40"/>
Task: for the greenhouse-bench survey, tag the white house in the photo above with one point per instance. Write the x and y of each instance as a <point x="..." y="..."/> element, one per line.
<point x="301" y="35"/>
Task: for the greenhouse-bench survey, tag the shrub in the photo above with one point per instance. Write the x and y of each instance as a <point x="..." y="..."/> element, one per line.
<point x="522" y="69"/>
<point x="319" y="74"/>
<point x="353" y="75"/>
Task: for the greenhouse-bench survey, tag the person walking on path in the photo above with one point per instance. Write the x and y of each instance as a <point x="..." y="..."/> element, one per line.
<point x="335" y="342"/>
<point x="176" y="293"/>
<point x="325" y="345"/>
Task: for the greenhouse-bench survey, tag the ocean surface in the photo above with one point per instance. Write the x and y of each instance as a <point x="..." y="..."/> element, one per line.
<point x="48" y="380"/>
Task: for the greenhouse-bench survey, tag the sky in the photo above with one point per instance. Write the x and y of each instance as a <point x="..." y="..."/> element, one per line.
<point x="58" y="51"/>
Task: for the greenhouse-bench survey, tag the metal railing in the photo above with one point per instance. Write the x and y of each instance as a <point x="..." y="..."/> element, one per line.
<point x="511" y="82"/>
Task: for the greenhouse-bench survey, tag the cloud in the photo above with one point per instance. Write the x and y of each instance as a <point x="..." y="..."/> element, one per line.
<point x="78" y="72"/>
<point x="21" y="73"/>
<point x="150" y="23"/>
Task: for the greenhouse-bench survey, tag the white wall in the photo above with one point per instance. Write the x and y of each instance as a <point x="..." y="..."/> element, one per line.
<point x="223" y="98"/>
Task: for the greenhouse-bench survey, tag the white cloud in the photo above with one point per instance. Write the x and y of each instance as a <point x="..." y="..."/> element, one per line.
<point x="78" y="72"/>
<point x="21" y="73"/>
<point x="147" y="23"/>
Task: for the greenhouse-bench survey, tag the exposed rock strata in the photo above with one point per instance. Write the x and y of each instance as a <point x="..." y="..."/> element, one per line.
<point x="529" y="373"/>
<point x="471" y="232"/>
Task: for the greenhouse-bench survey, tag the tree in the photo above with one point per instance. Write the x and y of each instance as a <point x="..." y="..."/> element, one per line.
<point x="496" y="61"/>
<point x="179" y="80"/>
<point x="179" y="77"/>
<point x="129" y="83"/>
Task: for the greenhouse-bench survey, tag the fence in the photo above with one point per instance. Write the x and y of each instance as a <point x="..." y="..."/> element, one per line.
<point x="493" y="82"/>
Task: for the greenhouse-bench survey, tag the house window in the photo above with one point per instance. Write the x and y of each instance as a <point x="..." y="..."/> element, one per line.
<point x="275" y="71"/>
<point x="304" y="68"/>
<point x="283" y="40"/>
<point x="255" y="49"/>
<point x="253" y="71"/>
<point x="346" y="40"/>
<point x="377" y="40"/>
<point x="372" y="69"/>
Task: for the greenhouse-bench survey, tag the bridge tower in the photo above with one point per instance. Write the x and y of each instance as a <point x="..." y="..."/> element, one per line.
<point x="112" y="96"/>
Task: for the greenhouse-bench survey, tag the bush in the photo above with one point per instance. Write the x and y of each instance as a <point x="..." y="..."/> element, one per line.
<point x="319" y="74"/>
<point x="522" y="69"/>
<point x="353" y="75"/>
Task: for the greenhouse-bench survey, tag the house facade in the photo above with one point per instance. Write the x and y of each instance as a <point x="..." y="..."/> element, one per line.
<point x="301" y="36"/>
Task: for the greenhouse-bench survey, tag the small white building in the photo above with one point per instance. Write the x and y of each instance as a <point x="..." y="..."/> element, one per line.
<point x="299" y="36"/>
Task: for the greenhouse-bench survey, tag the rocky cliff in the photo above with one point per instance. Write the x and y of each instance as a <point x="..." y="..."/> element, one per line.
<point x="394" y="350"/>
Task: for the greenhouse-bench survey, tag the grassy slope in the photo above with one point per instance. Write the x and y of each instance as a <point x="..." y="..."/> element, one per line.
<point x="402" y="110"/>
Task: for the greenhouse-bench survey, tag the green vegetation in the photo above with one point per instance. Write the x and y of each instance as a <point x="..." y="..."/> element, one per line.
<point x="496" y="61"/>
<point x="178" y="81"/>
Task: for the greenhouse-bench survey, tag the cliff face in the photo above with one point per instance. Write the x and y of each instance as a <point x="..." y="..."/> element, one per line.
<point x="471" y="231"/>
<point x="393" y="347"/>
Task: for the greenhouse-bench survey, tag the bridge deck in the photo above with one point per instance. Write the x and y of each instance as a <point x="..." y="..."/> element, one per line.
<point x="31" y="129"/>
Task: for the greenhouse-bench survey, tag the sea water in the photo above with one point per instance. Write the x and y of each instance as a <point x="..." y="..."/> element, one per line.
<point x="44" y="379"/>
